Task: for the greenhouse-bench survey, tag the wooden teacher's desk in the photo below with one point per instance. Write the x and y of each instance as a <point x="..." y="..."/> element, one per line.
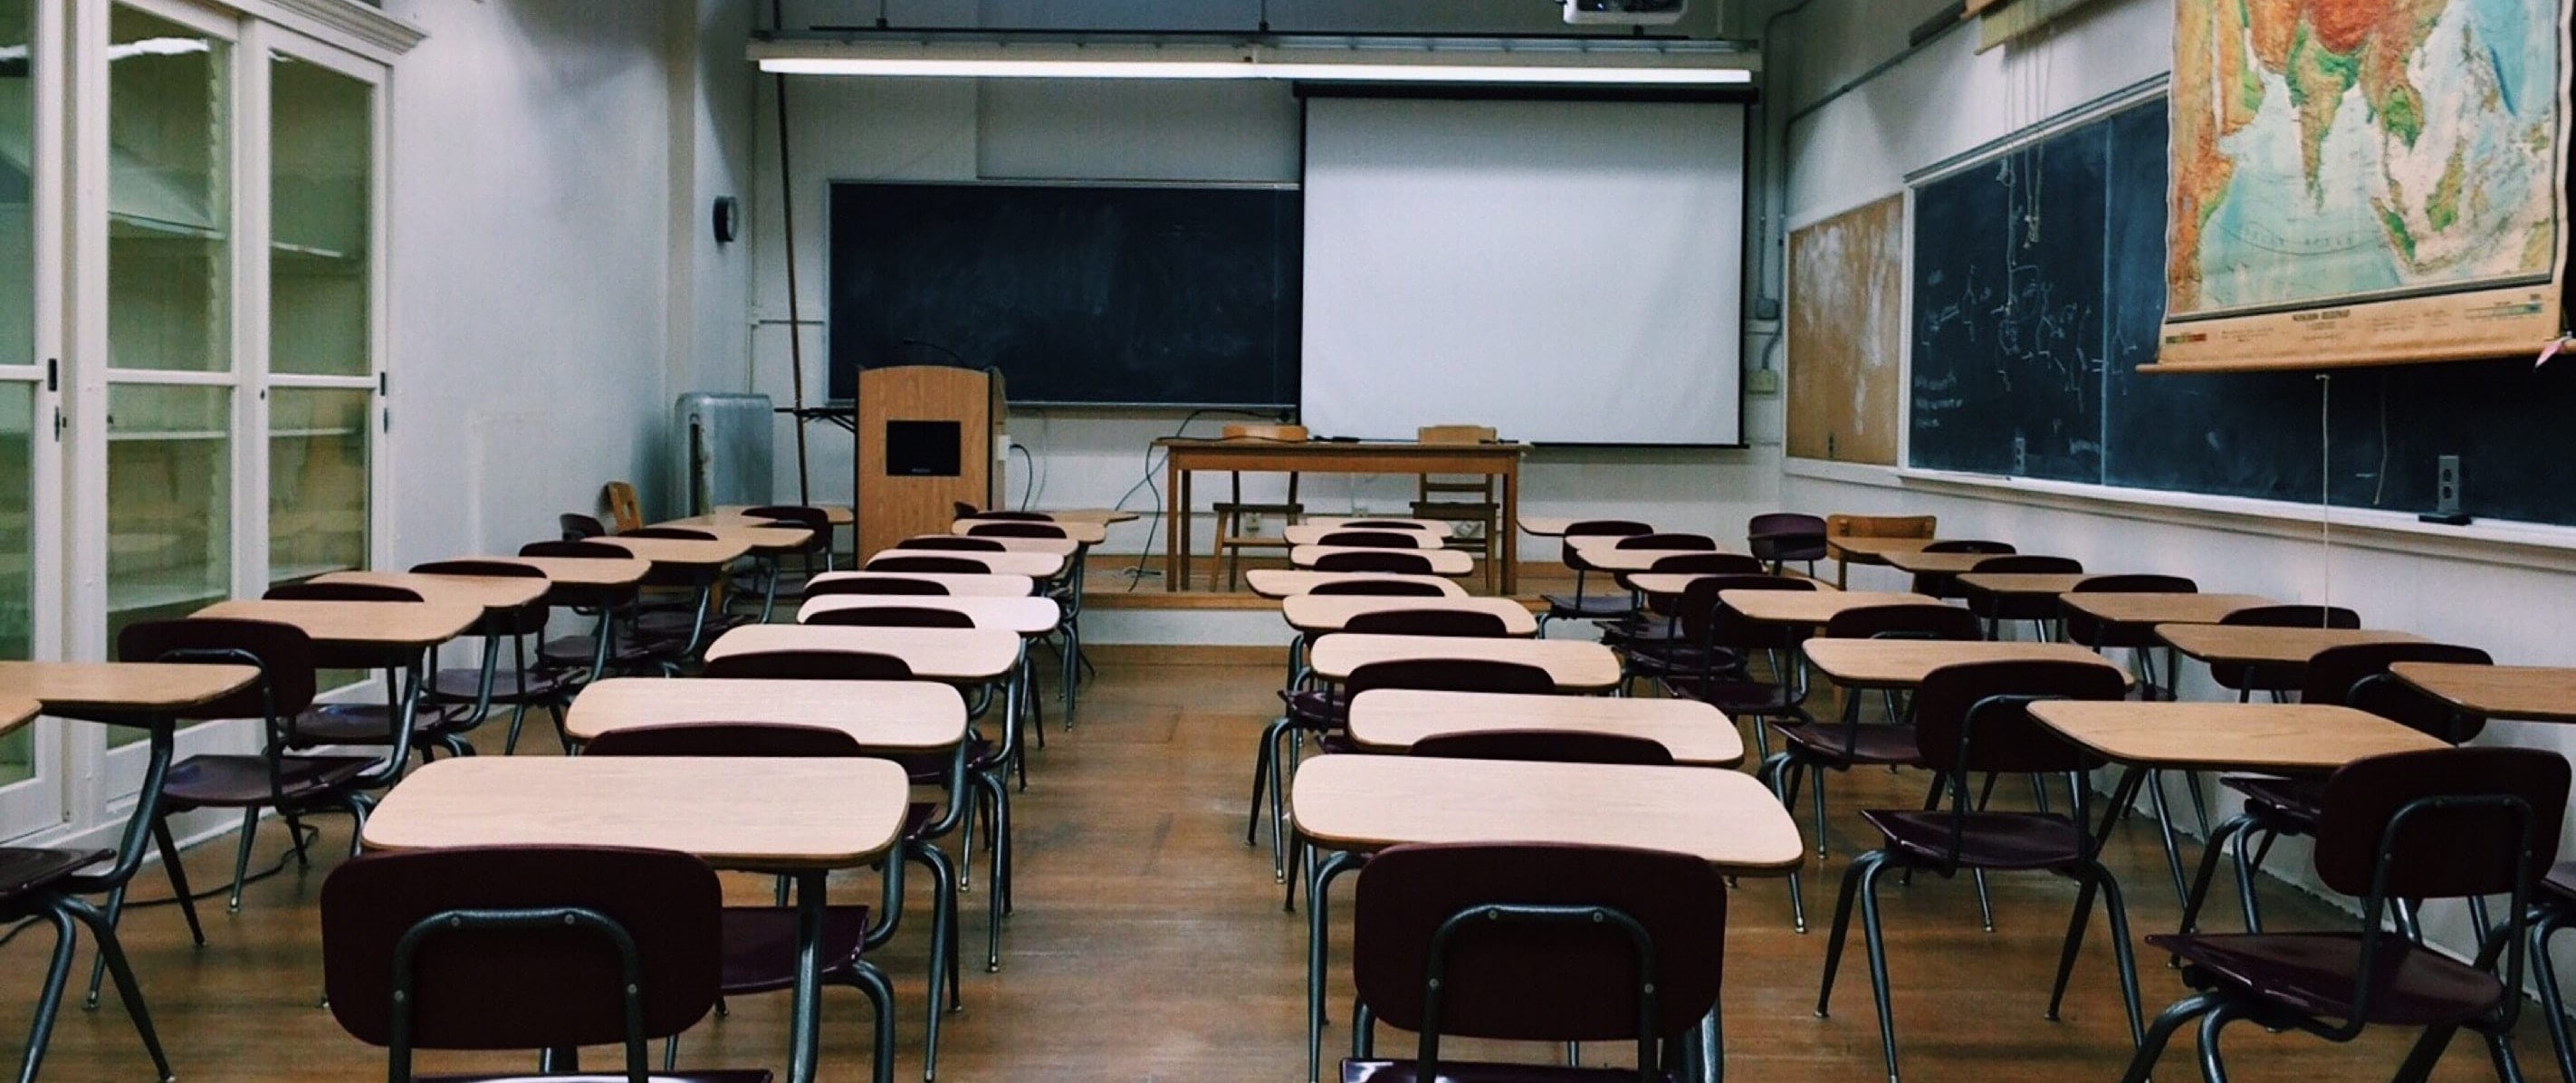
<point x="1182" y="458"/>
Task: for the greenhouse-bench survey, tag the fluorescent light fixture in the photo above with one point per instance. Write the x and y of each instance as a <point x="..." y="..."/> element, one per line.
<point x="1581" y="63"/>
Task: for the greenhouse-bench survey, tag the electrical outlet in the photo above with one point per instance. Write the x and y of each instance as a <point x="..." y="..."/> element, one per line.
<point x="1762" y="382"/>
<point x="1252" y="522"/>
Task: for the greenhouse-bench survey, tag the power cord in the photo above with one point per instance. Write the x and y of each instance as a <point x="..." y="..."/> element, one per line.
<point x="305" y="838"/>
<point x="1028" y="485"/>
<point x="1154" y="458"/>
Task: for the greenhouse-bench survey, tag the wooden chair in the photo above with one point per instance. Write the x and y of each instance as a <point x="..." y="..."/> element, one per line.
<point x="1462" y="499"/>
<point x="1231" y="540"/>
<point x="1874" y="526"/>
<point x="622" y="508"/>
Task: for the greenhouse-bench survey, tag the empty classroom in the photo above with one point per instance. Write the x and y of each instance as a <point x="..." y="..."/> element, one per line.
<point x="1490" y="541"/>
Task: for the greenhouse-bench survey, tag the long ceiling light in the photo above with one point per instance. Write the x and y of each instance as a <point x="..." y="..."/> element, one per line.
<point x="1575" y="63"/>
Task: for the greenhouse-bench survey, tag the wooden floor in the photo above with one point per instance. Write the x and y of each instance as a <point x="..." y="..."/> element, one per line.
<point x="1150" y="944"/>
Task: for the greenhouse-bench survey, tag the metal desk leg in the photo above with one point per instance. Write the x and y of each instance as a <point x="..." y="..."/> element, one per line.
<point x="164" y="743"/>
<point x="805" y="1047"/>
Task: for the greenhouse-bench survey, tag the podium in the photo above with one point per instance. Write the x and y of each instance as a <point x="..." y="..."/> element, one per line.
<point x="929" y="438"/>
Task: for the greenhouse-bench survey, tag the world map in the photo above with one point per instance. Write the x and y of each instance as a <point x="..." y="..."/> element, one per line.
<point x="2326" y="150"/>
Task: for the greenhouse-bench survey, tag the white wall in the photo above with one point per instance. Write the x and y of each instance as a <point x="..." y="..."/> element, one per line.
<point x="2506" y="596"/>
<point x="533" y="263"/>
<point x="854" y="129"/>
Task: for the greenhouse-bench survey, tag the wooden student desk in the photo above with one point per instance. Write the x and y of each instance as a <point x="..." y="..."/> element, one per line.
<point x="958" y="583"/>
<point x="16" y="711"/>
<point x="1904" y="663"/>
<point x="2250" y="644"/>
<point x="1024" y="616"/>
<point x="1393" y="719"/>
<point x="1577" y="666"/>
<point x="1078" y="531"/>
<point x="1812" y="608"/>
<point x="1851" y="549"/>
<point x="490" y="593"/>
<point x="1323" y="614"/>
<point x="1314" y="534"/>
<point x="2270" y="738"/>
<point x="2129" y="611"/>
<point x="1289" y="583"/>
<point x="390" y="625"/>
<point x="1919" y="562"/>
<point x="1185" y="457"/>
<point x="1608" y="558"/>
<point x="1040" y="566"/>
<point x="583" y="571"/>
<point x="2507" y="693"/>
<point x="684" y="554"/>
<point x="884" y="716"/>
<point x="802" y="817"/>
<point x="1054" y="547"/>
<point x="1443" y="561"/>
<point x="1354" y="805"/>
<point x="835" y="514"/>
<point x="2022" y="584"/>
<point x="1672" y="584"/>
<point x="952" y="655"/>
<point x="1393" y="522"/>
<point x="769" y="537"/>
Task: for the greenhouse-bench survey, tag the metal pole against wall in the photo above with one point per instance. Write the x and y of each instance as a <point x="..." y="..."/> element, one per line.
<point x="795" y="315"/>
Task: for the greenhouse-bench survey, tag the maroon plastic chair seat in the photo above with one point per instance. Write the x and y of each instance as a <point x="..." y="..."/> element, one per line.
<point x="2290" y="801"/>
<point x="760" y="946"/>
<point x="1370" y="539"/>
<point x="1845" y="746"/>
<point x="2316" y="973"/>
<point x="2002" y="607"/>
<point x="1546" y="746"/>
<point x="876" y="585"/>
<point x="227" y="781"/>
<point x="26" y="870"/>
<point x="930" y="565"/>
<point x="2084" y="628"/>
<point x="954" y="543"/>
<point x="540" y="685"/>
<point x="1946" y="584"/>
<point x="1016" y="530"/>
<point x="1988" y="840"/>
<point x="1382" y="588"/>
<point x="1401" y="562"/>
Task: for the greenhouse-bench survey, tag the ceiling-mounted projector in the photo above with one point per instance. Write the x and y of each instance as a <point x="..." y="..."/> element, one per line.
<point x="1625" y="12"/>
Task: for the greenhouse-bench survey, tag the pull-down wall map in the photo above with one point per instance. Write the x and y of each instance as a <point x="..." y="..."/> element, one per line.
<point x="2366" y="181"/>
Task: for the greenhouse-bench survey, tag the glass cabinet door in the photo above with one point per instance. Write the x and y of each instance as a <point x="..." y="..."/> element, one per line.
<point x="321" y="136"/>
<point x="170" y="301"/>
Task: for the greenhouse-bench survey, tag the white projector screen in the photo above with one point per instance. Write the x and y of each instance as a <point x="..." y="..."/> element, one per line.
<point x="1565" y="271"/>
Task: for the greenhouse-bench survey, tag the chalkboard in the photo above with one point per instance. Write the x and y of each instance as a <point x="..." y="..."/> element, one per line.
<point x="2025" y="356"/>
<point x="1080" y="294"/>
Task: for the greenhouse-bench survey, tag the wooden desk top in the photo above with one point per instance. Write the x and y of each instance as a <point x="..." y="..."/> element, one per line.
<point x="1053" y="547"/>
<point x="757" y="535"/>
<point x="1343" y="522"/>
<point x="1903" y="663"/>
<point x="2273" y="738"/>
<point x="1632" y="560"/>
<point x="1289" y="583"/>
<point x="1021" y="616"/>
<point x="1090" y="515"/>
<point x="958" y="583"/>
<point x="483" y="591"/>
<point x="885" y="716"/>
<point x="1032" y="565"/>
<point x="1547" y="526"/>
<point x="1677" y="582"/>
<point x="835" y="514"/>
<point x="735" y="812"/>
<point x="681" y="552"/>
<point x="2123" y="607"/>
<point x="935" y="654"/>
<point x="2513" y="693"/>
<point x="16" y="711"/>
<point x="1316" y="614"/>
<point x="1916" y="560"/>
<point x="582" y="571"/>
<point x="1079" y="531"/>
<point x="120" y="686"/>
<point x="2023" y="582"/>
<point x="1334" y="449"/>
<point x="1392" y="719"/>
<point x="374" y="624"/>
<point x="1443" y="561"/>
<point x="1373" y="802"/>
<point x="1864" y="549"/>
<point x="1578" y="666"/>
<point x="1311" y="534"/>
<point x="2248" y="643"/>
<point x="1815" y="608"/>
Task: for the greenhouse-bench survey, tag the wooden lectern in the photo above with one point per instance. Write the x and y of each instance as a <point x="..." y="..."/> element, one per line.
<point x="929" y="436"/>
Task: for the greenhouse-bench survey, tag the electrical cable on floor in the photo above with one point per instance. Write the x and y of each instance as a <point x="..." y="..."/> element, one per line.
<point x="309" y="835"/>
<point x="1153" y="460"/>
